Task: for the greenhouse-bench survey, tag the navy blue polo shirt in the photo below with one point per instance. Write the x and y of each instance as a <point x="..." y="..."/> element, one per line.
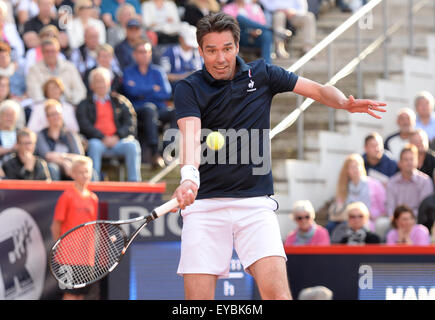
<point x="240" y="109"/>
<point x="386" y="165"/>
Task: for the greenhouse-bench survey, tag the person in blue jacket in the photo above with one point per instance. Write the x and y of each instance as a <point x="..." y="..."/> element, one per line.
<point x="147" y="87"/>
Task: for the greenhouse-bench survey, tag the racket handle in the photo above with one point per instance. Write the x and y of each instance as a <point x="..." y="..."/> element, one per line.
<point x="165" y="208"/>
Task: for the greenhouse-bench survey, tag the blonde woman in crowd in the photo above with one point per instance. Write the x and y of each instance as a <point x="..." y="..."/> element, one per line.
<point x="354" y="185"/>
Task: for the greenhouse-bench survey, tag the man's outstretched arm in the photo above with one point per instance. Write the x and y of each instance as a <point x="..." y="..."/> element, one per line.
<point x="334" y="98"/>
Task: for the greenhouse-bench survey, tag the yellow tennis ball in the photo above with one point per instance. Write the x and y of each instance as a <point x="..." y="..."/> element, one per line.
<point x="215" y="140"/>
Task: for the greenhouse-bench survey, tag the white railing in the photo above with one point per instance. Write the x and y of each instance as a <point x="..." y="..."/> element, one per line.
<point x="353" y="64"/>
<point x="383" y="39"/>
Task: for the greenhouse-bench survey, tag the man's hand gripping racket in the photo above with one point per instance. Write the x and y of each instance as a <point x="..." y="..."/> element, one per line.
<point x="89" y="252"/>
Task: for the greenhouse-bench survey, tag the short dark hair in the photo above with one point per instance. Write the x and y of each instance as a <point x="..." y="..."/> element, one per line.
<point x="398" y="212"/>
<point x="372" y="135"/>
<point x="217" y="22"/>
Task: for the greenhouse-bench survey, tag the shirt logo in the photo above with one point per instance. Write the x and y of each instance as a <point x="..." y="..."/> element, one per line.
<point x="251" y="86"/>
<point x="251" y="83"/>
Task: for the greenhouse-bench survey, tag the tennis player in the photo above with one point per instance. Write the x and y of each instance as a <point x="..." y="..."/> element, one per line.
<point x="225" y="205"/>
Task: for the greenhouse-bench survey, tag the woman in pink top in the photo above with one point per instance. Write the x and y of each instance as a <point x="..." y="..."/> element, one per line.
<point x="308" y="232"/>
<point x="406" y="231"/>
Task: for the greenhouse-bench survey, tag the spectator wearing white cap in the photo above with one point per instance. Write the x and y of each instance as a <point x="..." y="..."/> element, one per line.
<point x="182" y="59"/>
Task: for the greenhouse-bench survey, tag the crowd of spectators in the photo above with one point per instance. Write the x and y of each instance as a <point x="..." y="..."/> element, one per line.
<point x="385" y="195"/>
<point x="53" y="54"/>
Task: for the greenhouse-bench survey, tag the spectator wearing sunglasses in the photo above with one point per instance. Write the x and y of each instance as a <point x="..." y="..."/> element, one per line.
<point x="355" y="230"/>
<point x="307" y="232"/>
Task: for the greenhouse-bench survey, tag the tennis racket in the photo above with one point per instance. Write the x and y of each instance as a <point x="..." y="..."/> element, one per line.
<point x="90" y="251"/>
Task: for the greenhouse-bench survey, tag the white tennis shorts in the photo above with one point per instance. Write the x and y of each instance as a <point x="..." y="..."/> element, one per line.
<point x="213" y="227"/>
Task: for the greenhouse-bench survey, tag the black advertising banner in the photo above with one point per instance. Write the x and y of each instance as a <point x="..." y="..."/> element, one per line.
<point x="26" y="214"/>
<point x="371" y="272"/>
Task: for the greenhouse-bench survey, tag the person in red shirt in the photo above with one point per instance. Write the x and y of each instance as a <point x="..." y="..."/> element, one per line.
<point x="108" y="121"/>
<point x="76" y="206"/>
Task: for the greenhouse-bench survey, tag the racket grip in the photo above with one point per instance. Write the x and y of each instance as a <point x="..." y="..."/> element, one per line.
<point x="165" y="208"/>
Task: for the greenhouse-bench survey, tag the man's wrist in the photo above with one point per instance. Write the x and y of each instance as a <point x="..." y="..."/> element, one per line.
<point x="190" y="172"/>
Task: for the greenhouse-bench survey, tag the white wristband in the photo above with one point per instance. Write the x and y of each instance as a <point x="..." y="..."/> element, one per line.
<point x="189" y="172"/>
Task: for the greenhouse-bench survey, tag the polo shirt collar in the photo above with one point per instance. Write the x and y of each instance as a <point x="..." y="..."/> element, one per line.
<point x="95" y="98"/>
<point x="241" y="68"/>
<point x="40" y="21"/>
<point x="414" y="177"/>
<point x="62" y="135"/>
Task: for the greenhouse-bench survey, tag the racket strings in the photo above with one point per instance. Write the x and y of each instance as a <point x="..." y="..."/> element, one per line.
<point x="87" y="253"/>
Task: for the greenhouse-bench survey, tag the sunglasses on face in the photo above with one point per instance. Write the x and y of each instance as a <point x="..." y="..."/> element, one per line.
<point x="26" y="143"/>
<point x="359" y="216"/>
<point x="53" y="114"/>
<point x="300" y="218"/>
